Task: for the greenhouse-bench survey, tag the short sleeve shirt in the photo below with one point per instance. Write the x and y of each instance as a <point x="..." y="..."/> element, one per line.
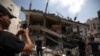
<point x="10" y="44"/>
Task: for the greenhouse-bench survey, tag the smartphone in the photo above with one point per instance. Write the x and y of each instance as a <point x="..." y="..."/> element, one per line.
<point x="24" y="26"/>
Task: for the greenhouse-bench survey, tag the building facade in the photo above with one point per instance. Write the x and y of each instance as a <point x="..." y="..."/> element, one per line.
<point x="57" y="33"/>
<point x="98" y="14"/>
<point x="15" y="25"/>
<point x="93" y="27"/>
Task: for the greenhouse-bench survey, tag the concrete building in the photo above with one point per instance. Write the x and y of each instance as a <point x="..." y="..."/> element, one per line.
<point x="98" y="14"/>
<point x="83" y="32"/>
<point x="93" y="27"/>
<point x="57" y="33"/>
<point x="15" y="26"/>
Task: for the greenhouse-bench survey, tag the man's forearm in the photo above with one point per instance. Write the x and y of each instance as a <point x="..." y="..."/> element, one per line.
<point x="28" y="40"/>
<point x="28" y="44"/>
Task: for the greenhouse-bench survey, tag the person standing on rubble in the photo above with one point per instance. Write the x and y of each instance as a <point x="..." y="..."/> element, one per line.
<point x="81" y="46"/>
<point x="38" y="43"/>
<point x="94" y="45"/>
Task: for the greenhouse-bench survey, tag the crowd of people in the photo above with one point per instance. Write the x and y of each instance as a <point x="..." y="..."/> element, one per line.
<point x="88" y="46"/>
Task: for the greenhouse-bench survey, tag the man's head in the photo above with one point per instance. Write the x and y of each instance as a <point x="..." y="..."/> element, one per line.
<point x="6" y="10"/>
<point x="5" y="17"/>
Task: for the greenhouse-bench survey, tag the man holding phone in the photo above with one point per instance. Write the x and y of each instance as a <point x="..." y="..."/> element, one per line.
<point x="10" y="44"/>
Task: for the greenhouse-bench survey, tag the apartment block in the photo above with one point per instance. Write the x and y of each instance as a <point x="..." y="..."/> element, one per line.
<point x="57" y="33"/>
<point x="93" y="27"/>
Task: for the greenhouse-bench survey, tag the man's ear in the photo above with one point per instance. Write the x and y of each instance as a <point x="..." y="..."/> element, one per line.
<point x="5" y="22"/>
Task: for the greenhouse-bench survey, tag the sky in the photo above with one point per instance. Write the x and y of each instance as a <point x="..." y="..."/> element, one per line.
<point x="83" y="9"/>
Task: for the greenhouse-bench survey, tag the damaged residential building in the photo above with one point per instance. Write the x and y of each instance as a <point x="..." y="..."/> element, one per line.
<point x="56" y="32"/>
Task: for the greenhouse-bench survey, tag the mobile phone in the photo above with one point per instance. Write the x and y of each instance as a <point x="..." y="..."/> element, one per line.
<point x="24" y="26"/>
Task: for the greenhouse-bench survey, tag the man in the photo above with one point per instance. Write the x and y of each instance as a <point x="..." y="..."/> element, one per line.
<point x="82" y="46"/>
<point x="39" y="46"/>
<point x="94" y="46"/>
<point x="10" y="44"/>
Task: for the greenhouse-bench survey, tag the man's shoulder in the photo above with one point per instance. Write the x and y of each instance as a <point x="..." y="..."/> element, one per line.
<point x="6" y="33"/>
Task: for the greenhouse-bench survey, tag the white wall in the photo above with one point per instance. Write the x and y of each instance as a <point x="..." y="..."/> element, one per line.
<point x="82" y="30"/>
<point x="93" y="30"/>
